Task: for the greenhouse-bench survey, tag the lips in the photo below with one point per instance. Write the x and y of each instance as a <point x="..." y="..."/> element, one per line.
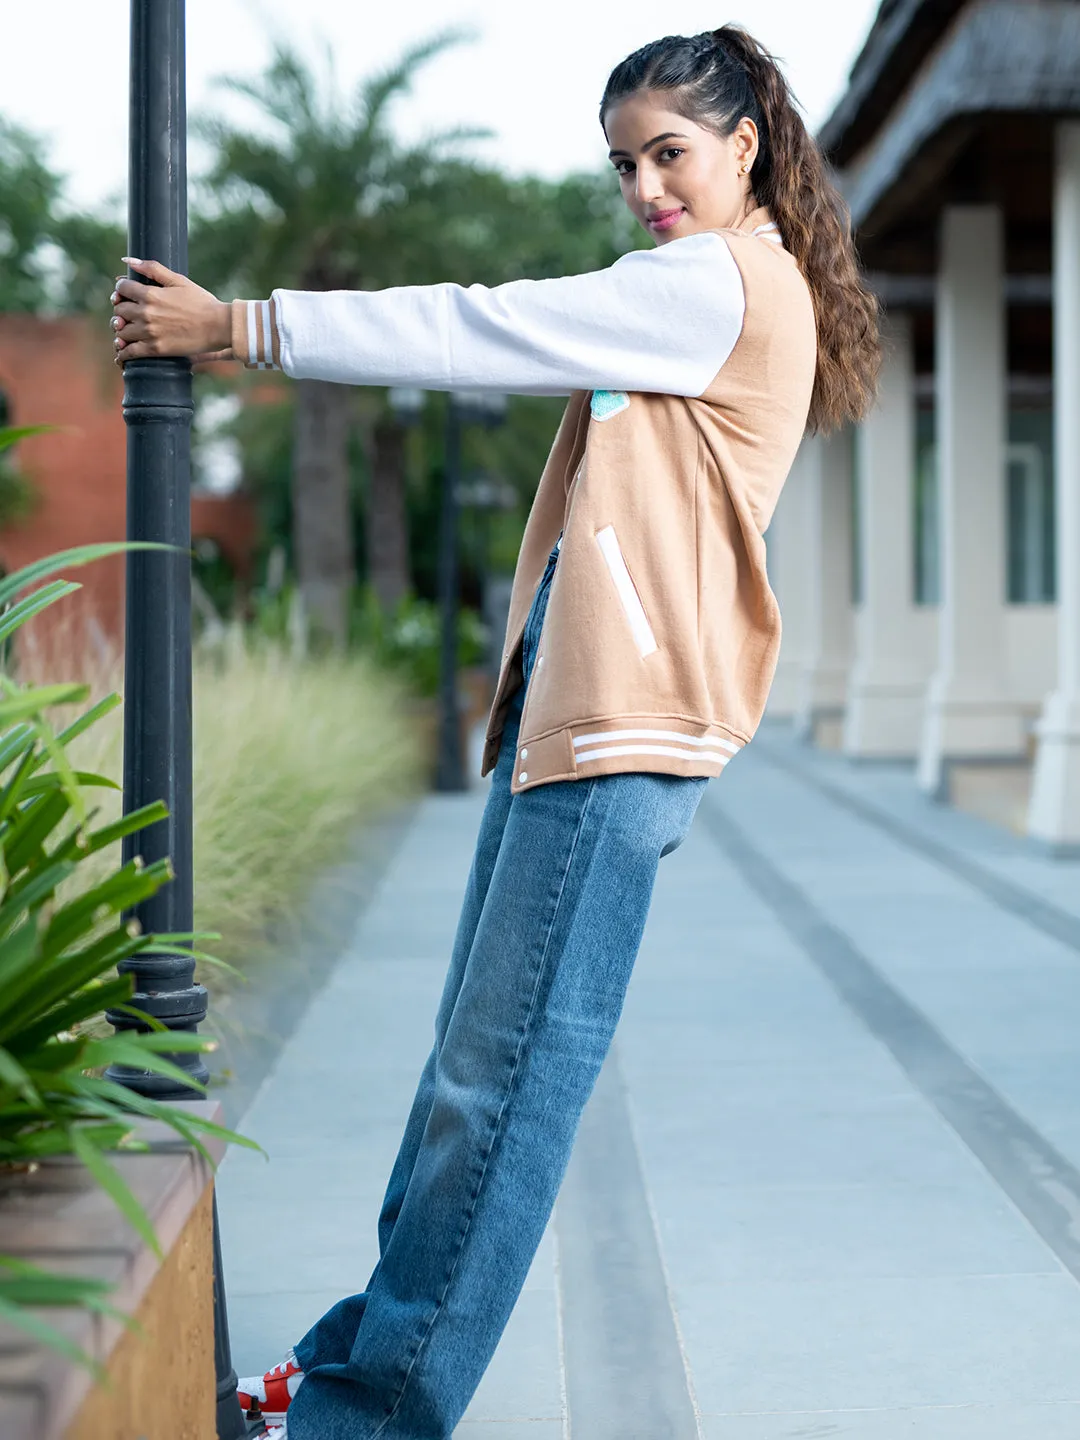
<point x="664" y="219"/>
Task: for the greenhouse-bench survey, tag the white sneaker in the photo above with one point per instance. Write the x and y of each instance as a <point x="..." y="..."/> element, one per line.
<point x="272" y="1392"/>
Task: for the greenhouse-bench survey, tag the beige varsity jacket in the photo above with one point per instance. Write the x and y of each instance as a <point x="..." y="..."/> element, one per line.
<point x="690" y="369"/>
<point x="661" y="634"/>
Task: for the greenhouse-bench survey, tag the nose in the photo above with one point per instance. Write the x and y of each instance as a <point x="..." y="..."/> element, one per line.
<point x="649" y="184"/>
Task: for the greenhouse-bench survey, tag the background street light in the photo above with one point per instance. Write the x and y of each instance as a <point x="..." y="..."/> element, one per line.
<point x="465" y="407"/>
<point x="157" y="656"/>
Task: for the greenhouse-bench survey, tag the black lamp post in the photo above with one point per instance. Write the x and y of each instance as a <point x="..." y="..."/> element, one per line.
<point x="157" y="667"/>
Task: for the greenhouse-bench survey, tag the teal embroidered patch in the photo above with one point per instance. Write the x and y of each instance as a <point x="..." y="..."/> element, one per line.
<point x="606" y="403"/>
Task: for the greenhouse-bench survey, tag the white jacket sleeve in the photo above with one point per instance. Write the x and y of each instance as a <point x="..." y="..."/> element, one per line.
<point x="662" y="320"/>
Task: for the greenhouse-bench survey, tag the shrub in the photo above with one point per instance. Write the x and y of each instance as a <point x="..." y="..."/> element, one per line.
<point x="290" y="756"/>
<point x="63" y="931"/>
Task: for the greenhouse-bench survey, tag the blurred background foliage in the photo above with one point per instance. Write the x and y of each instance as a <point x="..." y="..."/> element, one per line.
<point x="319" y="192"/>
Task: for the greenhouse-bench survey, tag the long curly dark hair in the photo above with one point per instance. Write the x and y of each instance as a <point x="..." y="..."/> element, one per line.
<point x="715" y="79"/>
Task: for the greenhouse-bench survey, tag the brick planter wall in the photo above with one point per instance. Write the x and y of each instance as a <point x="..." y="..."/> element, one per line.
<point x="162" y="1379"/>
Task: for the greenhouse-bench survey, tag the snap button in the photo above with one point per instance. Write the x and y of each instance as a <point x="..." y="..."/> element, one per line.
<point x="523" y="777"/>
<point x="525" y="754"/>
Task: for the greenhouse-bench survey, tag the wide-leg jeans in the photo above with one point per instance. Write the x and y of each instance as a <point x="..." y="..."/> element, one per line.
<point x="552" y="919"/>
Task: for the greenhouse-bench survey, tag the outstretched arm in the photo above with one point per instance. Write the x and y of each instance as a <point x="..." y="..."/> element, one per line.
<point x="662" y="320"/>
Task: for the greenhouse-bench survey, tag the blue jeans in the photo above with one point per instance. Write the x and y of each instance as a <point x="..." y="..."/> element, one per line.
<point x="553" y="915"/>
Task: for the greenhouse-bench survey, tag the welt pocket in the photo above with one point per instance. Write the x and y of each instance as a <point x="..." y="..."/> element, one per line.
<point x="626" y="591"/>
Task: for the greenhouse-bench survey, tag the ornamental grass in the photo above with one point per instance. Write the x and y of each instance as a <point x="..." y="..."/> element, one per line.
<point x="291" y="756"/>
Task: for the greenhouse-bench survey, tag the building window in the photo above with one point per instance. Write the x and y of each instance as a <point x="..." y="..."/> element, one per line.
<point x="1029" y="517"/>
<point x="1030" y="498"/>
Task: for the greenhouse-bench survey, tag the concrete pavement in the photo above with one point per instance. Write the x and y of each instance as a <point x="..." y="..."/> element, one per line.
<point x="829" y="1182"/>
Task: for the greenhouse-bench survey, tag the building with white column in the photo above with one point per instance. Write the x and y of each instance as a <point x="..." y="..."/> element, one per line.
<point x="894" y="636"/>
<point x="1054" y="815"/>
<point x="957" y="647"/>
<point x="826" y="660"/>
<point x="970" y="712"/>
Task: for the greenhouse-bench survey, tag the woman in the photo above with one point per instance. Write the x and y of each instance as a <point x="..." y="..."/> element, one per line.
<point x="641" y="645"/>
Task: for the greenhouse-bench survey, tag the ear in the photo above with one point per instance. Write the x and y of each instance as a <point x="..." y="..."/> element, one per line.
<point x="745" y="140"/>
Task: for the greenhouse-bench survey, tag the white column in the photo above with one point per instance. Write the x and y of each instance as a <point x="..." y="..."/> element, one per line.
<point x="827" y="478"/>
<point x="1054" y="815"/>
<point x="887" y="684"/>
<point x="789" y="577"/>
<point x="969" y="711"/>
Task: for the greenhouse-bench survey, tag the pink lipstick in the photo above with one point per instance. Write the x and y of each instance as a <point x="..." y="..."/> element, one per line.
<point x="665" y="219"/>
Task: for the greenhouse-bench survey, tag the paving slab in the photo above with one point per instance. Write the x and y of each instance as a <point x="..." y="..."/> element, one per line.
<point x="829" y="1183"/>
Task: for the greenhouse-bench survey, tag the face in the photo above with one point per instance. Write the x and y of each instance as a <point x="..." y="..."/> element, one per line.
<point x="676" y="177"/>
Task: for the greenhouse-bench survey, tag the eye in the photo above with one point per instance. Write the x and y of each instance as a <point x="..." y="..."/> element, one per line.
<point x="623" y="167"/>
<point x="674" y="150"/>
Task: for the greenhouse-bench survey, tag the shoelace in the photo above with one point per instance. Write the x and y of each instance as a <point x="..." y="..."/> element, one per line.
<point x="283" y="1365"/>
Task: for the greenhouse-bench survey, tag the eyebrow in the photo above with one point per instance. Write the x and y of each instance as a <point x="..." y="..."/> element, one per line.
<point x="668" y="135"/>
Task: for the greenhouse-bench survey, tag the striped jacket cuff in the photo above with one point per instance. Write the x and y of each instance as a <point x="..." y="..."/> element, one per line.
<point x="255" y="336"/>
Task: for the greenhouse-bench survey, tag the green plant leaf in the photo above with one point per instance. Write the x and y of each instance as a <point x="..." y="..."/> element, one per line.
<point x="12" y="584"/>
<point x="64" y="775"/>
<point x="180" y="1120"/>
<point x="31" y="890"/>
<point x="11" y="435"/>
<point x="92" y="716"/>
<point x="123" y="890"/>
<point x="113" y="1183"/>
<point x="27" y="1284"/>
<point x="13" y="1074"/>
<point x="32" y="702"/>
<point x="156" y="947"/>
<point x="55" y="1139"/>
<point x="25" y="1002"/>
<point x="20" y="738"/>
<point x="123" y="1049"/>
<point x="91" y="1000"/>
<point x="88" y="779"/>
<point x="168" y="1042"/>
<point x="30" y="1324"/>
<point x="11" y="794"/>
<point x="25" y="838"/>
<point x="108" y="1098"/>
<point x="40" y="600"/>
<point x="107" y="835"/>
<point x="18" y="951"/>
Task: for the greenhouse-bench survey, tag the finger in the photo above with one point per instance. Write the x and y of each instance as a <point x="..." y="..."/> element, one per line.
<point x="154" y="270"/>
<point x="130" y="329"/>
<point x="128" y="310"/>
<point x="129" y="289"/>
<point x="140" y="351"/>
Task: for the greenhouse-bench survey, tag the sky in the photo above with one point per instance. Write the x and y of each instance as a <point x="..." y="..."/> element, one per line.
<point x="533" y="76"/>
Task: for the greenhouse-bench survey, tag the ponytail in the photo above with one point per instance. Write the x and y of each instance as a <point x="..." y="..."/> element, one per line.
<point x="718" y="78"/>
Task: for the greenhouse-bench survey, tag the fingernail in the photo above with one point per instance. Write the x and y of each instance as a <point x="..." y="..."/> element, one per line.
<point x="130" y="260"/>
<point x="114" y="297"/>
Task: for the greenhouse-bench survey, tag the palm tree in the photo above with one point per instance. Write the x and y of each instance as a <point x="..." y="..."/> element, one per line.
<point x="322" y="203"/>
<point x="29" y="191"/>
